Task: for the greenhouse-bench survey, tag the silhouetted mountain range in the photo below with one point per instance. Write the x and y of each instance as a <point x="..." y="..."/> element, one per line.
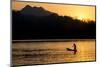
<point x="38" y="23"/>
<point x="36" y="11"/>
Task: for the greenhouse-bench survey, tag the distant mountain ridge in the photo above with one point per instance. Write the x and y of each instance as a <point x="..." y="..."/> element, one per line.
<point x="36" y="11"/>
<point x="37" y="23"/>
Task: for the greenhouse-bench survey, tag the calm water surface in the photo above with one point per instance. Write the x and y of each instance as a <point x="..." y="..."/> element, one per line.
<point x="25" y="53"/>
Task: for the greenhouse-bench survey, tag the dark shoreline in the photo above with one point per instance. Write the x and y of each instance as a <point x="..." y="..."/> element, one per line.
<point x="51" y="40"/>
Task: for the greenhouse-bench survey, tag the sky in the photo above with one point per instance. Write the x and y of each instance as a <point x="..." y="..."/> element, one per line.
<point x="81" y="12"/>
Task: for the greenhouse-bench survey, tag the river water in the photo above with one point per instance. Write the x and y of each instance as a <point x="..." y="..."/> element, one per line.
<point x="28" y="53"/>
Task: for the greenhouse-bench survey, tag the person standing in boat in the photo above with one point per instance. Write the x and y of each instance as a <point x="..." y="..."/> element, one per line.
<point x="75" y="49"/>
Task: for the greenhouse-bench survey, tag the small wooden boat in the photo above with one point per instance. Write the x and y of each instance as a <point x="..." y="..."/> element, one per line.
<point x="70" y="49"/>
<point x="74" y="50"/>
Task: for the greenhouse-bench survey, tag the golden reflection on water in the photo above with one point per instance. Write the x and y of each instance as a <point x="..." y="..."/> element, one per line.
<point x="52" y="52"/>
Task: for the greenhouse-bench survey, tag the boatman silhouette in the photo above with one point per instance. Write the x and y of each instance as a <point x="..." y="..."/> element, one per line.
<point x="74" y="49"/>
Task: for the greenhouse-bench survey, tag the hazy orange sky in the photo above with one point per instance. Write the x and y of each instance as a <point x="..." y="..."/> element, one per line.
<point x="75" y="11"/>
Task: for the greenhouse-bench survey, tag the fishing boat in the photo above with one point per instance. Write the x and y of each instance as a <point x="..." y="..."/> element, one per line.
<point x="74" y="49"/>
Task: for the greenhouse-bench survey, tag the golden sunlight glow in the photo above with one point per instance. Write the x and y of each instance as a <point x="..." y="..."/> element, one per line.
<point x="82" y="17"/>
<point x="76" y="11"/>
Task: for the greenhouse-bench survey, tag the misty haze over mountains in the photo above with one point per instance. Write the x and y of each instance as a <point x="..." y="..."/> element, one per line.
<point x="38" y="23"/>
